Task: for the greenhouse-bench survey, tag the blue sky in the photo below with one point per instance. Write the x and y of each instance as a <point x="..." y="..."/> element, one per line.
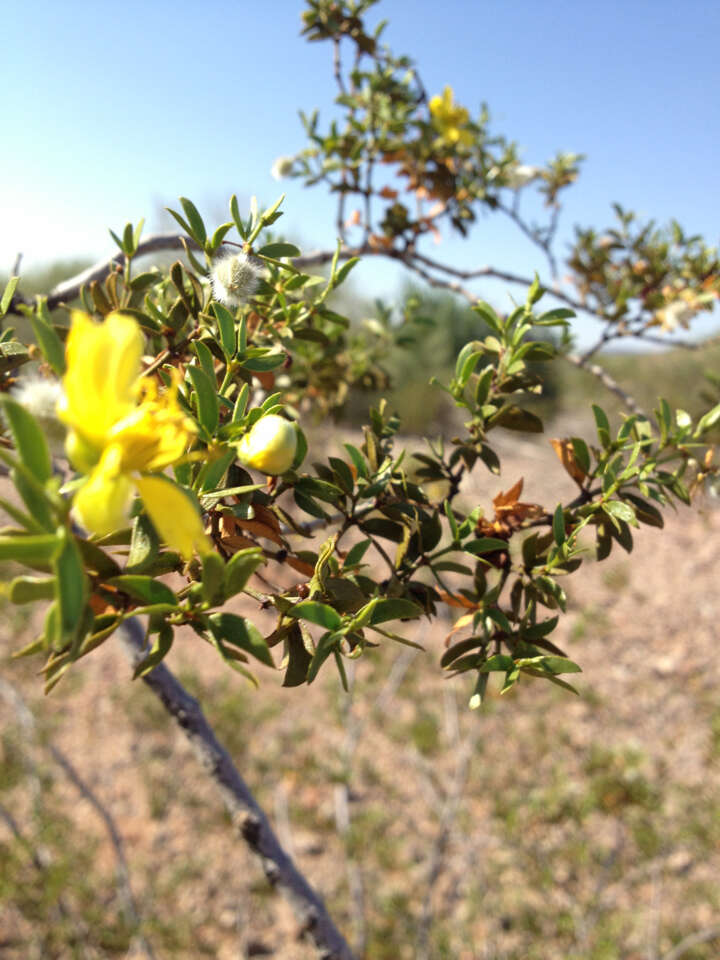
<point x="113" y="110"/>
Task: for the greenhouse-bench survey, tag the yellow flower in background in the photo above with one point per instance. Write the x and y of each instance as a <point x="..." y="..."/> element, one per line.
<point x="270" y="445"/>
<point x="450" y="119"/>
<point x="120" y="428"/>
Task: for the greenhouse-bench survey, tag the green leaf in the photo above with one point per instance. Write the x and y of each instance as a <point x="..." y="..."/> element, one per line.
<point x="621" y="511"/>
<point x="309" y="506"/>
<point x="32" y="549"/>
<point x="157" y="653"/>
<point x="517" y="418"/>
<point x="320" y="489"/>
<point x="29" y="439"/>
<point x="298" y="659"/>
<point x="197" y="231"/>
<point x="318" y="613"/>
<point x="226" y="328"/>
<point x="71" y="587"/>
<point x="358" y="460"/>
<point x="484" y="545"/>
<point x="219" y="235"/>
<point x="202" y="351"/>
<point x="237" y="219"/>
<point x="277" y="250"/>
<point x="13" y="355"/>
<point x="500" y="661"/>
<point x="343" y="473"/>
<point x="30" y="589"/>
<point x="581" y="453"/>
<point x="387" y="529"/>
<point x="213" y="578"/>
<point x="207" y="400"/>
<point x="551" y="664"/>
<point x="603" y="425"/>
<point x="558" y="525"/>
<point x="356" y="553"/>
<point x="144" y="544"/>
<point x="51" y="346"/>
<point x="326" y="645"/>
<point x="240" y="633"/>
<point x="8" y="294"/>
<point x="143" y="588"/>
<point x="240" y="567"/>
<point x="645" y="512"/>
<point x="394" y="608"/>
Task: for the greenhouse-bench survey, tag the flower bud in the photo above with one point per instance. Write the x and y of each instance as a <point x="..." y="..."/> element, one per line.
<point x="234" y="278"/>
<point x="270" y="446"/>
<point x="517" y="177"/>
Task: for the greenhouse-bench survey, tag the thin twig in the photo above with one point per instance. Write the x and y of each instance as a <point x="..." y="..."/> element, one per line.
<point x="242" y="806"/>
<point x="692" y="940"/>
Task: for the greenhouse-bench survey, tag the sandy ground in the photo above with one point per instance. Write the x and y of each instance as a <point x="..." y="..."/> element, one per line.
<point x="543" y="826"/>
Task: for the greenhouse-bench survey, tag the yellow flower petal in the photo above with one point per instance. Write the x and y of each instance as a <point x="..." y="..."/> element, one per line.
<point x="103" y="503"/>
<point x="103" y="365"/>
<point x="174" y="516"/>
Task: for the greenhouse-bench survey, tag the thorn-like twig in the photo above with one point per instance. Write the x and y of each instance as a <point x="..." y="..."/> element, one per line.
<point x="253" y="825"/>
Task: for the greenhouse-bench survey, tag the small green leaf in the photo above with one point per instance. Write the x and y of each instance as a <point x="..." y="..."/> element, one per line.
<point x="514" y="417"/>
<point x="240" y="633"/>
<point x="32" y="550"/>
<point x="207" y="401"/>
<point x="326" y="645"/>
<point x="484" y="545"/>
<point x="277" y="250"/>
<point x="71" y="588"/>
<point x="30" y="589"/>
<point x="143" y="588"/>
<point x="157" y="653"/>
<point x="356" y="553"/>
<point x="197" y="231"/>
<point x="318" y="613"/>
<point x="603" y="425"/>
<point x="621" y="511"/>
<point x="8" y="294"/>
<point x="226" y="328"/>
<point x="213" y="578"/>
<point x="29" y="439"/>
<point x="581" y="453"/>
<point x="240" y="567"/>
<point x="51" y="346"/>
<point x="394" y="608"/>
<point x="298" y="659"/>
<point x="558" y="525"/>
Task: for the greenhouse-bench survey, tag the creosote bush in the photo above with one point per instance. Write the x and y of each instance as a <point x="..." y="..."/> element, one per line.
<point x="162" y="429"/>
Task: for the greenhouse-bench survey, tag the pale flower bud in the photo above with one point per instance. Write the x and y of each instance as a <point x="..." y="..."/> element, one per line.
<point x="675" y="314"/>
<point x="234" y="278"/>
<point x="40" y="397"/>
<point x="282" y="168"/>
<point x="520" y="176"/>
<point x="270" y="445"/>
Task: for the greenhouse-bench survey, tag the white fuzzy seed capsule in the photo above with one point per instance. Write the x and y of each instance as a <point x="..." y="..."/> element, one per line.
<point x="234" y="278"/>
<point x="40" y="397"/>
<point x="282" y="168"/>
<point x="269" y="446"/>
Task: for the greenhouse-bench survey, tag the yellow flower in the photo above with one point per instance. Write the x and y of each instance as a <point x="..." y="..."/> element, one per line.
<point x="269" y="446"/>
<point x="119" y="429"/>
<point x="450" y="119"/>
